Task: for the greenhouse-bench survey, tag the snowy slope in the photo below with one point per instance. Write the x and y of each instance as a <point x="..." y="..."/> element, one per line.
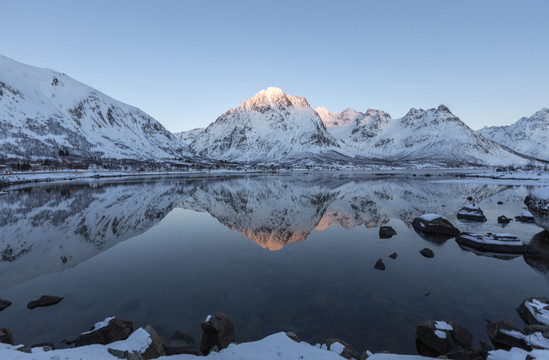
<point x="43" y="111"/>
<point x="528" y="136"/>
<point x="269" y="127"/>
<point x="433" y="136"/>
<point x="187" y="137"/>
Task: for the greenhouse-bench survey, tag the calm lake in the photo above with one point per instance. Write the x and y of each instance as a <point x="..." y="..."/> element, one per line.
<point x="274" y="252"/>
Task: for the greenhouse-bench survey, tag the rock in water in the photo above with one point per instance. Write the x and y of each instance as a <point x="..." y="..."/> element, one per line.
<point x="503" y="220"/>
<point x="501" y="335"/>
<point x="471" y="212"/>
<point x="379" y="265"/>
<point x="45" y="300"/>
<point x="538" y="204"/>
<point x="218" y="330"/>
<point x="439" y="338"/>
<point x="4" y="304"/>
<point x="386" y="232"/>
<point x="525" y="217"/>
<point x="393" y="255"/>
<point x="535" y="311"/>
<point x="6" y="336"/>
<point x="106" y="332"/>
<point x="434" y="224"/>
<point x="181" y="343"/>
<point x="428" y="253"/>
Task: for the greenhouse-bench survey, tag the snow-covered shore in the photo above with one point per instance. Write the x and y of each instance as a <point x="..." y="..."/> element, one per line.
<point x="275" y="346"/>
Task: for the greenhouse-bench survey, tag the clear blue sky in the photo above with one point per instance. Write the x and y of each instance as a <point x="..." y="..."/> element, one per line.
<point x="187" y="62"/>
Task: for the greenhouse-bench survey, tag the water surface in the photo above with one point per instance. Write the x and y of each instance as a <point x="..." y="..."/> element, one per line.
<point x="273" y="252"/>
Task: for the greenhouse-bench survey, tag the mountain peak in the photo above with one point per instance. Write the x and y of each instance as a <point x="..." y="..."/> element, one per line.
<point x="273" y="97"/>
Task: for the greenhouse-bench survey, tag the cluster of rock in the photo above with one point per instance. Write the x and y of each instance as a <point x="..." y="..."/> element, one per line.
<point x="218" y="333"/>
<point x="450" y="340"/>
<point x="44" y="300"/>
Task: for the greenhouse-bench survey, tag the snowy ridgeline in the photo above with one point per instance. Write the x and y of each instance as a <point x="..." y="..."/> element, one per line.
<point x="275" y="127"/>
<point x="45" y="114"/>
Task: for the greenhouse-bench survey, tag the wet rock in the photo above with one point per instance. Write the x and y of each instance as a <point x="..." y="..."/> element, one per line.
<point x="525" y="217"/>
<point x="156" y="348"/>
<point x="218" y="330"/>
<point x="379" y="265"/>
<point x="436" y="225"/>
<point x="428" y="253"/>
<point x="292" y="335"/>
<point x="114" y="330"/>
<point x="537" y="255"/>
<point x="45" y="300"/>
<point x="500" y="202"/>
<point x="484" y="349"/>
<point x="538" y="204"/>
<point x="535" y="311"/>
<point x="500" y="333"/>
<point x="471" y="212"/>
<point x="4" y="304"/>
<point x="342" y="348"/>
<point x="443" y="338"/>
<point x="393" y="255"/>
<point x="181" y="343"/>
<point x="6" y="336"/>
<point x="386" y="232"/>
<point x="494" y="244"/>
<point x="503" y="220"/>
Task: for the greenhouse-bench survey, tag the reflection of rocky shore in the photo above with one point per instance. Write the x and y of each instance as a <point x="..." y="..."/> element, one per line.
<point x="49" y="228"/>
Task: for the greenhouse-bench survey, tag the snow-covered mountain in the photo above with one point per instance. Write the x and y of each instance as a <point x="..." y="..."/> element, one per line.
<point x="528" y="136"/>
<point x="187" y="137"/>
<point x="275" y="127"/>
<point x="433" y="136"/>
<point x="43" y="111"/>
<point x="269" y="127"/>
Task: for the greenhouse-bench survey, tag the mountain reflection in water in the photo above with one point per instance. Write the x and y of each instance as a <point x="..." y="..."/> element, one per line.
<point x="155" y="252"/>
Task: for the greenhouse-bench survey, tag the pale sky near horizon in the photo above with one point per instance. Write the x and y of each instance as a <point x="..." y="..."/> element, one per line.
<point x="187" y="62"/>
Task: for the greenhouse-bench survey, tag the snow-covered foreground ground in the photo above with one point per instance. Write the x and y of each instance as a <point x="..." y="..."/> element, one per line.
<point x="276" y="346"/>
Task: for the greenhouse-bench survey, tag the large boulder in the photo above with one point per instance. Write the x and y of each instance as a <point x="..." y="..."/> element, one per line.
<point x="435" y="225"/>
<point x="45" y="300"/>
<point x="4" y="304"/>
<point x="443" y="338"/>
<point x="386" y="232"/>
<point x="504" y="336"/>
<point x="156" y="348"/>
<point x="218" y="330"/>
<point x="471" y="212"/>
<point x="105" y="332"/>
<point x="180" y="343"/>
<point x="535" y="311"/>
<point x="6" y="336"/>
<point x="538" y="204"/>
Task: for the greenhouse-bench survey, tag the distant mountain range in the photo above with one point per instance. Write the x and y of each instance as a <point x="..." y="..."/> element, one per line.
<point x="528" y="136"/>
<point x="275" y="127"/>
<point x="44" y="113"/>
